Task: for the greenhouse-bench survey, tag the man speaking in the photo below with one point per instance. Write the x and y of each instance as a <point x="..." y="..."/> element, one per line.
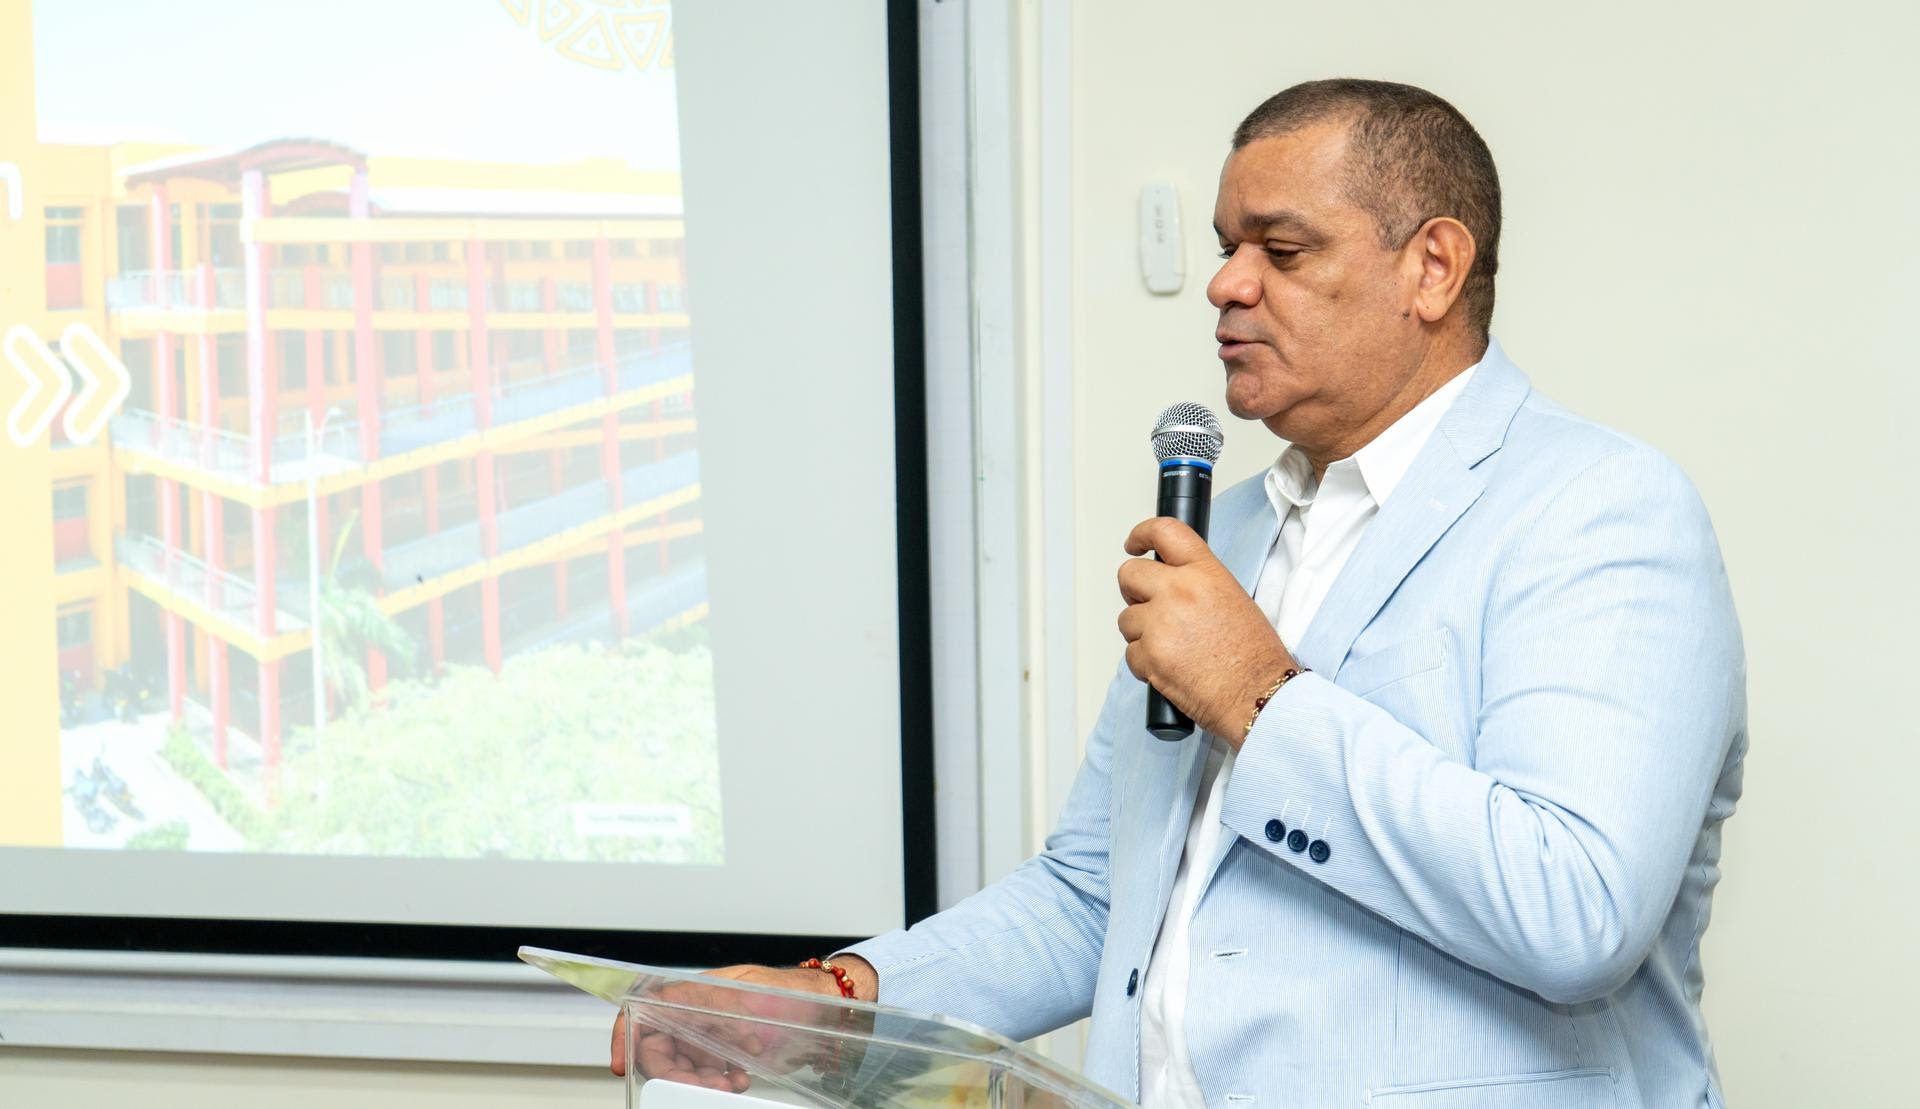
<point x="1467" y="686"/>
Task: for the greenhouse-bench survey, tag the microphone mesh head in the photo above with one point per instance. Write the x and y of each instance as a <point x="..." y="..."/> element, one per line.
<point x="1187" y="431"/>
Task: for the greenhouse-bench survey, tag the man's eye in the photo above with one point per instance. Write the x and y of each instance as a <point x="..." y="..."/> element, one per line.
<point x="1281" y="254"/>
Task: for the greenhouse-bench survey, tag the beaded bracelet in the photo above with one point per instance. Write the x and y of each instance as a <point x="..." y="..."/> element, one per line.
<point x="839" y="974"/>
<point x="1260" y="702"/>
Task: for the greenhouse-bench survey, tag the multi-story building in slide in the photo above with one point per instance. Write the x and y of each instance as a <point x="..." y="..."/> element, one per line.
<point x="464" y="387"/>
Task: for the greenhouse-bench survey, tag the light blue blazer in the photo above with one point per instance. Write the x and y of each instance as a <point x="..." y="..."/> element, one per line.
<point x="1523" y="730"/>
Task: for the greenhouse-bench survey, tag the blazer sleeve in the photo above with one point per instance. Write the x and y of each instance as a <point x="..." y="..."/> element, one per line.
<point x="1020" y="956"/>
<point x="1612" y="686"/>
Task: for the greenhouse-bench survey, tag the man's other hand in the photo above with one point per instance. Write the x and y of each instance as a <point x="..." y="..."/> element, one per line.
<point x="664" y="1056"/>
<point x="1192" y="632"/>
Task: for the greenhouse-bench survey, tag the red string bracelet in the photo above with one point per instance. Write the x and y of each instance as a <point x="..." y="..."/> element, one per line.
<point x="839" y="974"/>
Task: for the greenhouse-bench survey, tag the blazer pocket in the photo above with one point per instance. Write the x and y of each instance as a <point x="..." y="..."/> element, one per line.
<point x="1587" y="1088"/>
<point x="1395" y="662"/>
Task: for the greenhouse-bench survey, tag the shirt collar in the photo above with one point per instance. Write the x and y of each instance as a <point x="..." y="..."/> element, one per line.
<point x="1382" y="462"/>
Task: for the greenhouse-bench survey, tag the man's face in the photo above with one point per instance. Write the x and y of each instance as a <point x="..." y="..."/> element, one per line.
<point x="1316" y="329"/>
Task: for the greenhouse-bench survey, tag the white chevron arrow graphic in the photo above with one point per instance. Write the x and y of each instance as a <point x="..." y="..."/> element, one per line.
<point x="84" y="350"/>
<point x="42" y="371"/>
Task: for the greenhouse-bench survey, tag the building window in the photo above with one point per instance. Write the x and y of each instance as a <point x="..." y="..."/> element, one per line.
<point x="64" y="287"/>
<point x="397" y="353"/>
<point x="75" y="628"/>
<point x="133" y="238"/>
<point x="630" y="297"/>
<point x="445" y="294"/>
<point x="63" y="235"/>
<point x="446" y="350"/>
<point x="70" y="541"/>
<point x="293" y="359"/>
<point x="523" y="296"/>
<point x="230" y="356"/>
<point x="625" y="248"/>
<point x="223" y="235"/>
<point x="70" y="502"/>
<point x="671" y="297"/>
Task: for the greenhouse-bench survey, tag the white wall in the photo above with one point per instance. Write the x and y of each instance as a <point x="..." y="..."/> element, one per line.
<point x="1712" y="243"/>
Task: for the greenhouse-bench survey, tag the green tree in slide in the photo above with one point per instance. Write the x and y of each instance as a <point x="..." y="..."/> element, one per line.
<point x="571" y="752"/>
<point x="351" y="624"/>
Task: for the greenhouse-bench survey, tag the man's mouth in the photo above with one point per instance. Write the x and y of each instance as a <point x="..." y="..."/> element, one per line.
<point x="1232" y="345"/>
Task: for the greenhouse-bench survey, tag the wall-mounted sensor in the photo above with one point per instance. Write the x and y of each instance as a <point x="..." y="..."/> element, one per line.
<point x="1163" y="260"/>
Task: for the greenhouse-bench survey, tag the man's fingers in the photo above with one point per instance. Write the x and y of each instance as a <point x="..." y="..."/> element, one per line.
<point x="619" y="1046"/>
<point x="1175" y="543"/>
<point x="657" y="1051"/>
<point x="1139" y="579"/>
<point x="1132" y="623"/>
<point x="1137" y="660"/>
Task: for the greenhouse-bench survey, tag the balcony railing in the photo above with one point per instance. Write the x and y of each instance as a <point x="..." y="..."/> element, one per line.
<point x="287" y="288"/>
<point x="660" y="599"/>
<point x="231" y="454"/>
<point x="196" y="585"/>
<point x="179" y="290"/>
<point x="227" y="453"/>
<point x="523" y="525"/>
<point x="650" y="603"/>
<point x="523" y="394"/>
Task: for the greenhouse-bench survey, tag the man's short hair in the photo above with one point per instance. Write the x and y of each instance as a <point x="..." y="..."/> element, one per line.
<point x="1411" y="157"/>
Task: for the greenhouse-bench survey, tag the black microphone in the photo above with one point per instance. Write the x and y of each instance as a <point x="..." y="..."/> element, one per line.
<point x="1186" y="440"/>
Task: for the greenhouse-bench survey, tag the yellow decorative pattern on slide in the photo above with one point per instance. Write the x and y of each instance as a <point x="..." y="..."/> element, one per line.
<point x="613" y="35"/>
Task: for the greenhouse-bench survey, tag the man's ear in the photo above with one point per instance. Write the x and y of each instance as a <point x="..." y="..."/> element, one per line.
<point x="1445" y="252"/>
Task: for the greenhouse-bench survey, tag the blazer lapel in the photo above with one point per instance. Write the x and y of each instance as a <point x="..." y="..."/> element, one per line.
<point x="1438" y="488"/>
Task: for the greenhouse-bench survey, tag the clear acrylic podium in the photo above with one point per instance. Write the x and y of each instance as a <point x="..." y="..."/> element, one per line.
<point x="807" y="1049"/>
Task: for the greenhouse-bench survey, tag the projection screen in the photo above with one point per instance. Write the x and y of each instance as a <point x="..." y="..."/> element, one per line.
<point x="454" y="451"/>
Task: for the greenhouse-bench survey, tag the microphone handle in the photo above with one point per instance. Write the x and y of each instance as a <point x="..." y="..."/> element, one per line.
<point x="1186" y="494"/>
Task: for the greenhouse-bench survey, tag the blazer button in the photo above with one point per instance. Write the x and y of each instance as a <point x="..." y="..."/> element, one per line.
<point x="1133" y="981"/>
<point x="1319" y="851"/>
<point x="1276" y="831"/>
<point x="1297" y="841"/>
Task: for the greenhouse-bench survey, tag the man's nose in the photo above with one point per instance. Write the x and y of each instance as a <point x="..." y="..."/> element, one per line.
<point x="1236" y="283"/>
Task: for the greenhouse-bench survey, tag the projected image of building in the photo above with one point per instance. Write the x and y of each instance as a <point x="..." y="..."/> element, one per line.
<point x="436" y="408"/>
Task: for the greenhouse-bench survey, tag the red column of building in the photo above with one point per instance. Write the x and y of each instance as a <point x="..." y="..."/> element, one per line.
<point x="264" y="541"/>
<point x="603" y="350"/>
<point x="313" y="283"/>
<point x="483" y="471"/>
<point x="263" y="409"/>
<point x="314" y="296"/>
<point x="212" y="515"/>
<point x="436" y="608"/>
<point x="550" y="348"/>
<point x="659" y="438"/>
<point x="368" y="388"/>
<point x="430" y="476"/>
<point x="161" y="232"/>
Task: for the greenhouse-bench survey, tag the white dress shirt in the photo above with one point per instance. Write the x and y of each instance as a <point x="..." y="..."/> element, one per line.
<point x="1320" y="525"/>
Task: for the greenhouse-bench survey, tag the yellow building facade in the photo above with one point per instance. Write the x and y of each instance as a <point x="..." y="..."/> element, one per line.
<point x="465" y="385"/>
